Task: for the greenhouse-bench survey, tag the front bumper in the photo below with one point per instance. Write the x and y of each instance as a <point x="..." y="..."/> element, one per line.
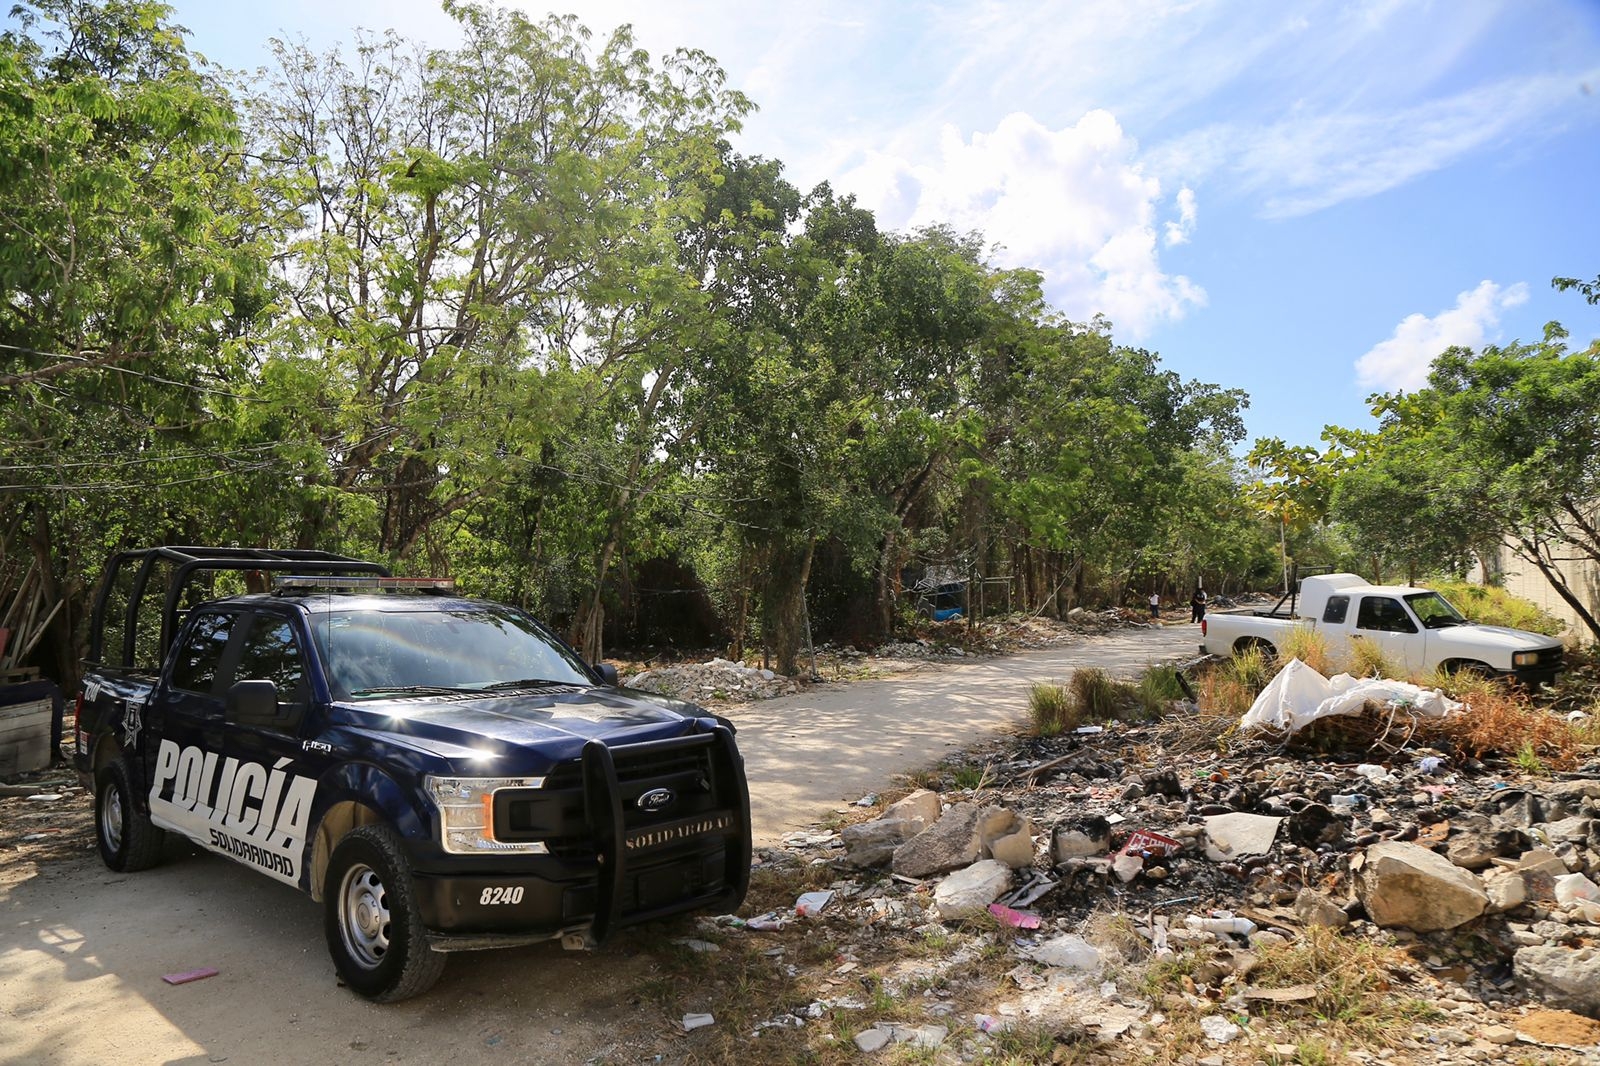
<point x="621" y="868"/>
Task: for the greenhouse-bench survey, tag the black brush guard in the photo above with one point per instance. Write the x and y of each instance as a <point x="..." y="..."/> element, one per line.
<point x="605" y="818"/>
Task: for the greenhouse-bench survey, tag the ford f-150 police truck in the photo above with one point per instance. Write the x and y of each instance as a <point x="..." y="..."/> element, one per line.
<point x="1415" y="628"/>
<point x="441" y="773"/>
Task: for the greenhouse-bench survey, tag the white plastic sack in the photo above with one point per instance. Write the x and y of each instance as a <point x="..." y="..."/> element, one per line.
<point x="1288" y="699"/>
<point x="1300" y="695"/>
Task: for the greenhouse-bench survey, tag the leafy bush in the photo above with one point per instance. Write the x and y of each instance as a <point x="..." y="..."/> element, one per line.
<point x="1497" y="607"/>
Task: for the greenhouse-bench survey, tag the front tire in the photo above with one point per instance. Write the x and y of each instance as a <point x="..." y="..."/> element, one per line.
<point x="128" y="840"/>
<point x="371" y="919"/>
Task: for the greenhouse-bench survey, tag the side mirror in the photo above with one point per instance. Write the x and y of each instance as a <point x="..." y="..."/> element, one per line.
<point x="608" y="673"/>
<point x="253" y="701"/>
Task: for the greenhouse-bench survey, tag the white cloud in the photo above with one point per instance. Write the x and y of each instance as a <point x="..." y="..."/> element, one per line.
<point x="1075" y="203"/>
<point x="1402" y="362"/>
<point x="1178" y="231"/>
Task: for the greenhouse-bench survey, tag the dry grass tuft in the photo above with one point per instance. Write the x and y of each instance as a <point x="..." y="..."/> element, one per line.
<point x="1352" y="976"/>
<point x="1230" y="687"/>
<point x="1097" y="696"/>
<point x="1498" y="722"/>
<point x="1310" y="647"/>
<point x="1052" y="709"/>
<point x="1366" y="659"/>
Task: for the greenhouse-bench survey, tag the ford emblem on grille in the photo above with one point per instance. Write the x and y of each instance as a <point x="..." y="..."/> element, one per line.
<point x="657" y="799"/>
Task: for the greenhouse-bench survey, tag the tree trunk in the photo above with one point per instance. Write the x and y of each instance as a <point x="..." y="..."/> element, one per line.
<point x="783" y="606"/>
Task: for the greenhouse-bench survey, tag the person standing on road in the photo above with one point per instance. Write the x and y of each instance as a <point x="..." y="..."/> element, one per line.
<point x="1155" y="605"/>
<point x="1197" y="606"/>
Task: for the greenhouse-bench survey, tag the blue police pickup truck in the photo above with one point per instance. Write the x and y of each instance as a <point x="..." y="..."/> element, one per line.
<point x="441" y="773"/>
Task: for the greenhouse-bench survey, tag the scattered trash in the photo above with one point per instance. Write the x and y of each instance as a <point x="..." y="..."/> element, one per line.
<point x="1222" y="924"/>
<point x="1430" y="764"/>
<point x="1147" y="844"/>
<point x="812" y="903"/>
<point x="189" y="975"/>
<point x="692" y="1022"/>
<point x="1014" y="918"/>
<point x="1219" y="1030"/>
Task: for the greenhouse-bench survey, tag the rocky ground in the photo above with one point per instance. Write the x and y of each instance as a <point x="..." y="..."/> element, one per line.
<point x="1167" y="892"/>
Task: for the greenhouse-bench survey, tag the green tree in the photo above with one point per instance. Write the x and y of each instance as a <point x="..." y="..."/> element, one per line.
<point x="1502" y="444"/>
<point x="128" y="268"/>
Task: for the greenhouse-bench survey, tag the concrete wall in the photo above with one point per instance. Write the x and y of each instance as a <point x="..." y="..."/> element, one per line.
<point x="1582" y="577"/>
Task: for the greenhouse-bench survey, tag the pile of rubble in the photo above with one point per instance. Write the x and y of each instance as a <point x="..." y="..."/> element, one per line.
<point x="1487" y="883"/>
<point x="719" y="680"/>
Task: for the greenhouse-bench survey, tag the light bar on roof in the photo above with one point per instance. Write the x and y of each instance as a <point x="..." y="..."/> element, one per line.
<point x="362" y="581"/>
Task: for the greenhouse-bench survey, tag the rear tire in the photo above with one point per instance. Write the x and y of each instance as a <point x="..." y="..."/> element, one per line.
<point x="1247" y="644"/>
<point x="371" y="919"/>
<point x="128" y="840"/>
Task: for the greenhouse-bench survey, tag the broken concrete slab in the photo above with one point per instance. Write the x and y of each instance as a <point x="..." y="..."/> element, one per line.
<point x="1237" y="836"/>
<point x="948" y="844"/>
<point x="1006" y="836"/>
<point x="873" y="843"/>
<point x="920" y="806"/>
<point x="967" y="893"/>
<point x="1409" y="887"/>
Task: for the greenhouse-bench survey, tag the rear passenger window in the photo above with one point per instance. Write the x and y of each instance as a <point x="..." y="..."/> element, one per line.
<point x="194" y="664"/>
<point x="1337" y="608"/>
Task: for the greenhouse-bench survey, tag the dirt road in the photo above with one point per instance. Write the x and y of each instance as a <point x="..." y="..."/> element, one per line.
<point x="83" y="950"/>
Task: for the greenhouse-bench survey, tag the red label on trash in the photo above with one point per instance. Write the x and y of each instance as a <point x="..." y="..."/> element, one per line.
<point x="1145" y="842"/>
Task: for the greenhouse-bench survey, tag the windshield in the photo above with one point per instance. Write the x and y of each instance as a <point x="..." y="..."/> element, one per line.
<point x="1434" y="611"/>
<point x="380" y="652"/>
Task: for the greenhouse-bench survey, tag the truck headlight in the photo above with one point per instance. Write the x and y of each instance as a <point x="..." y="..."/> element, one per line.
<point x="466" y="814"/>
<point x="1525" y="658"/>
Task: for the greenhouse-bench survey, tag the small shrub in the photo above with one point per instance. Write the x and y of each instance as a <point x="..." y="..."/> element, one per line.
<point x="1528" y="760"/>
<point x="1232" y="685"/>
<point x="973" y="777"/>
<point x="1052" y="708"/>
<point x="1504" y="723"/>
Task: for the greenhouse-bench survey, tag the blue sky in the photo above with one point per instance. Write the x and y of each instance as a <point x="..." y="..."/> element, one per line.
<point x="1306" y="199"/>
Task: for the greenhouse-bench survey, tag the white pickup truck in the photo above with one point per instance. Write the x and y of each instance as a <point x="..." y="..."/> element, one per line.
<point x="1415" y="628"/>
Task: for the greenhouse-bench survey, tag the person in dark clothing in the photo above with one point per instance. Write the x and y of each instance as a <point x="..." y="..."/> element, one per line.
<point x="1197" y="606"/>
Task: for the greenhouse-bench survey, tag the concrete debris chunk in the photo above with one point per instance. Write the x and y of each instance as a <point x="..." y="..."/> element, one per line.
<point x="921" y="807"/>
<point x="1238" y="836"/>
<point x="1566" y="977"/>
<point x="873" y="843"/>
<point x="967" y="893"/>
<point x="1007" y="837"/>
<point x="1409" y="887"/>
<point x="1081" y="838"/>
<point x="948" y="844"/>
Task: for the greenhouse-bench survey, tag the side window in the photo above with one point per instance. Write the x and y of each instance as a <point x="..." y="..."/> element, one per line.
<point x="1336" y="610"/>
<point x="195" y="660"/>
<point x="1383" y="614"/>
<point x="270" y="652"/>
